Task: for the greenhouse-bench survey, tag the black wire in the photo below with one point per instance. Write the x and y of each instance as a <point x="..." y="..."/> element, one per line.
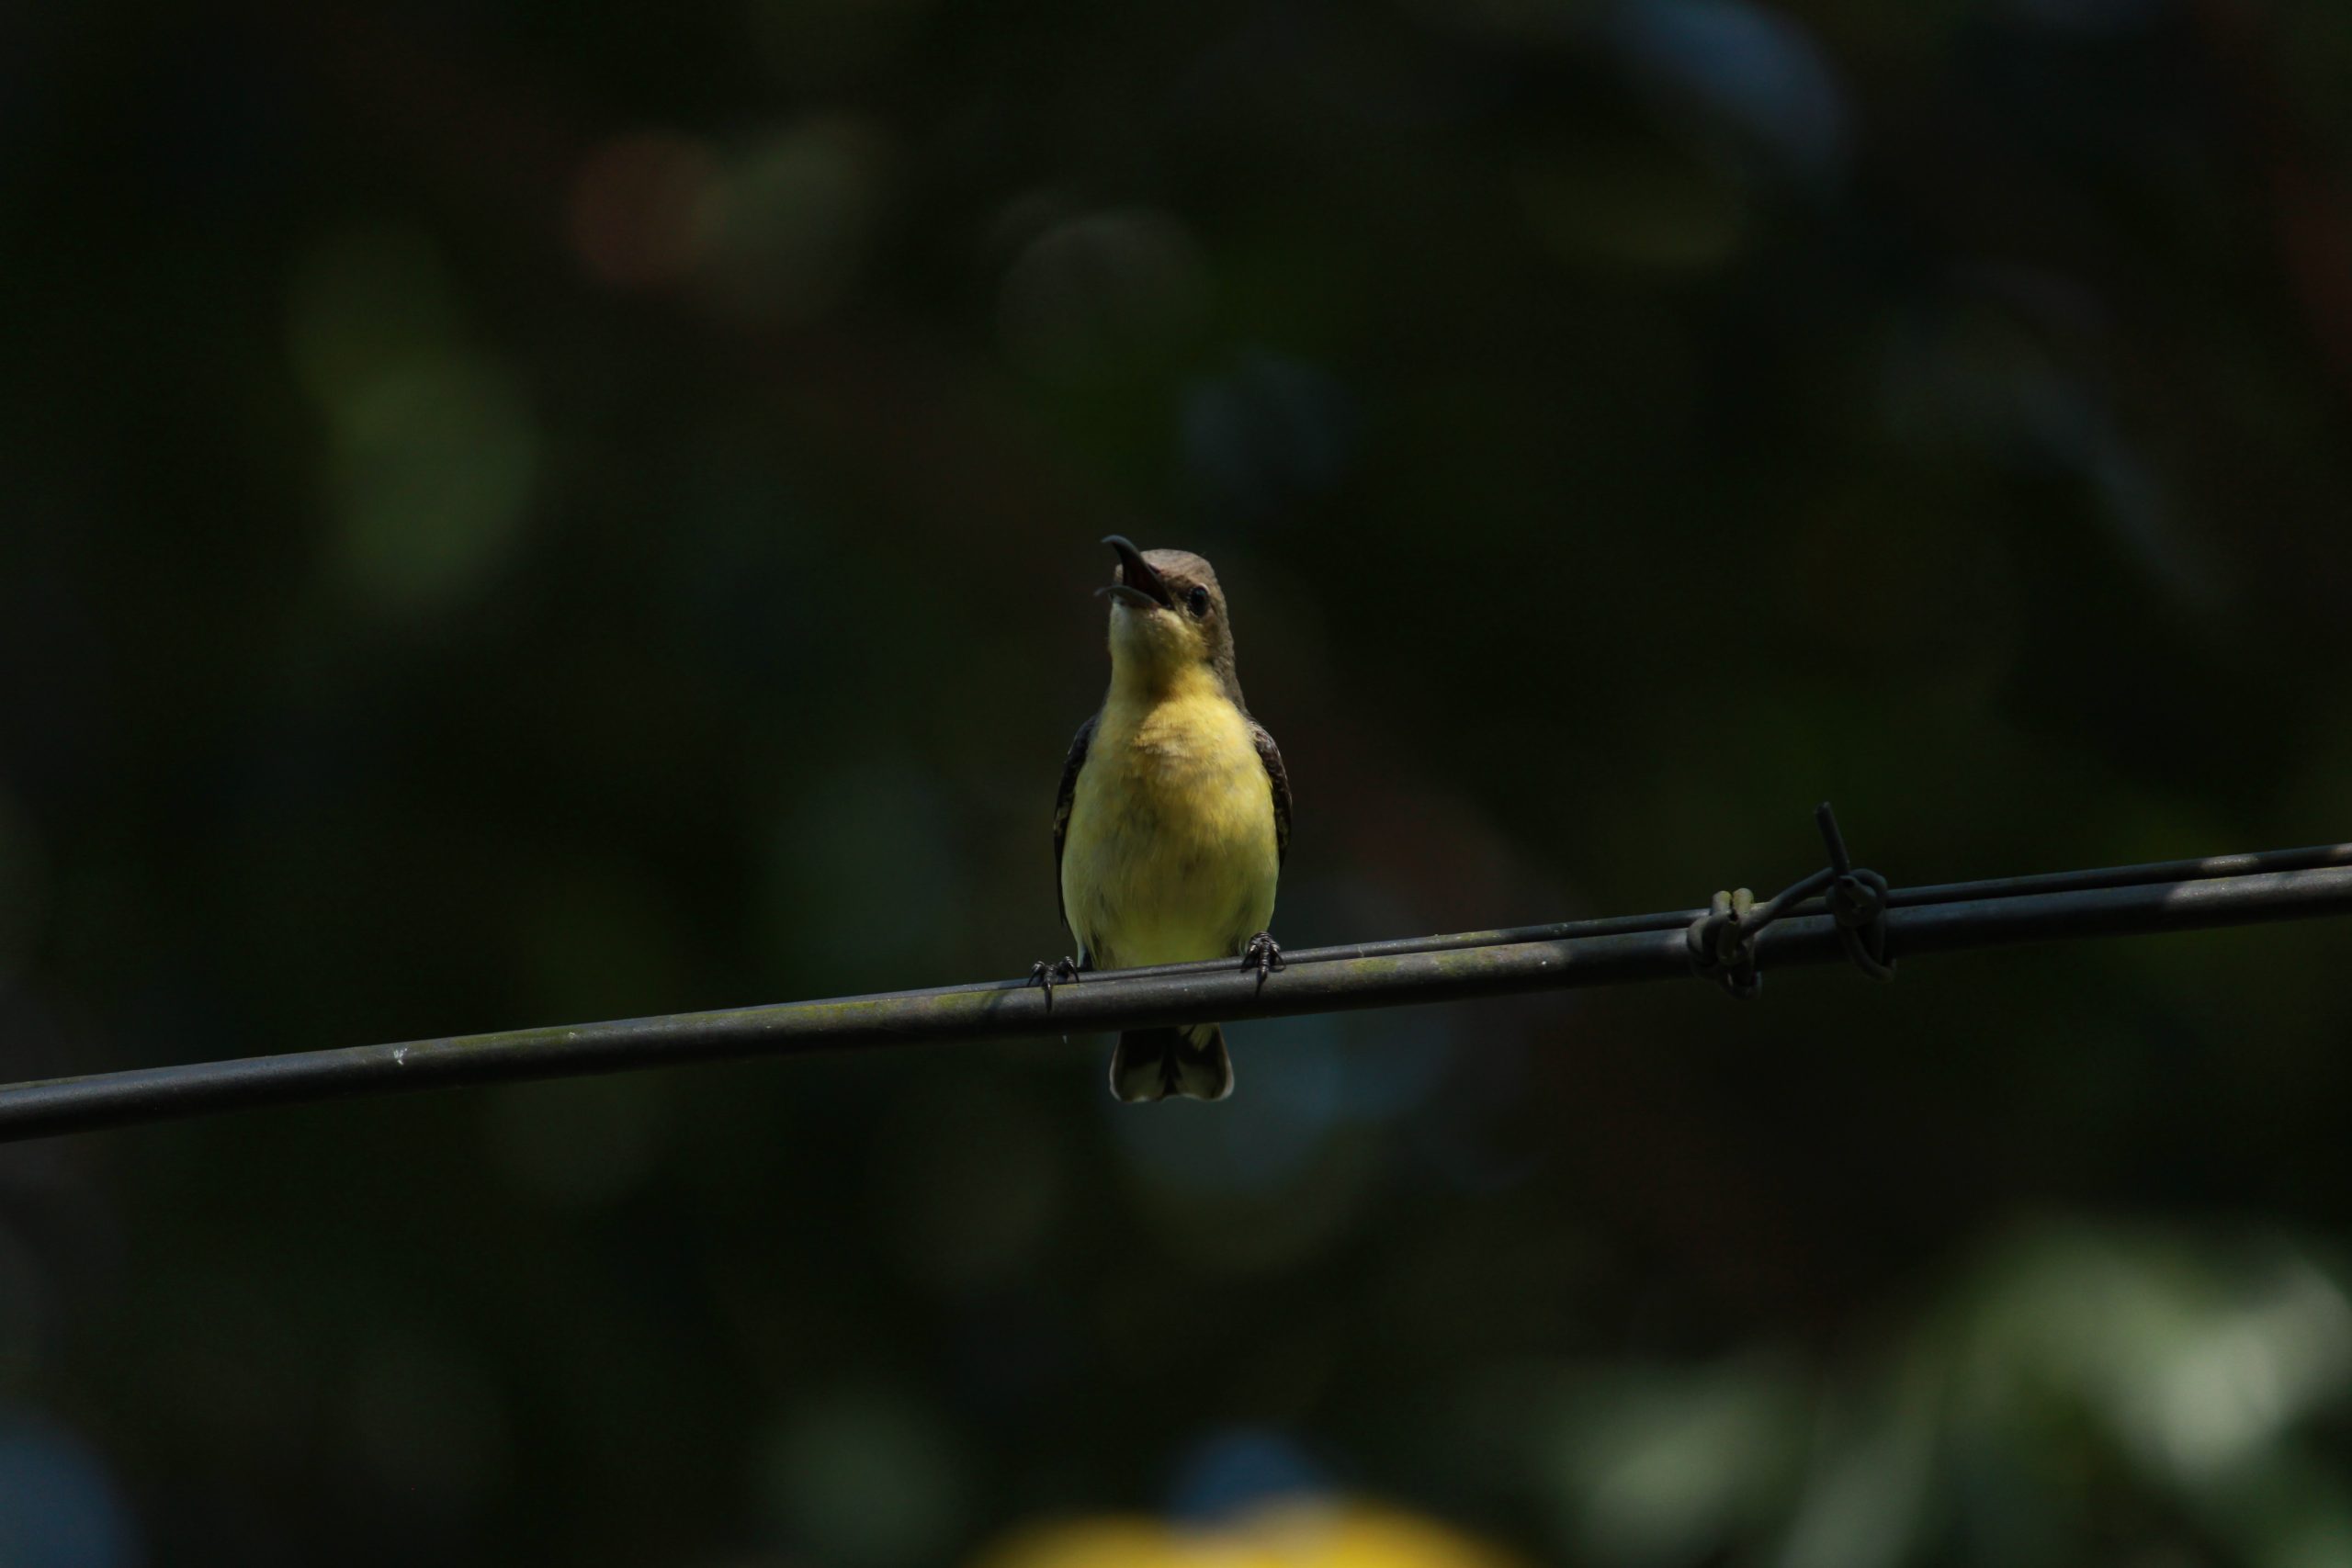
<point x="2311" y="857"/>
<point x="2280" y="885"/>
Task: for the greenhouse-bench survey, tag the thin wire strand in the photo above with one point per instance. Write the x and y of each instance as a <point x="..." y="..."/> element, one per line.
<point x="2311" y="857"/>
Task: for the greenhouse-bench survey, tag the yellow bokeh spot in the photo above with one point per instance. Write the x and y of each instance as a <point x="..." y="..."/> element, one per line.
<point x="1285" y="1535"/>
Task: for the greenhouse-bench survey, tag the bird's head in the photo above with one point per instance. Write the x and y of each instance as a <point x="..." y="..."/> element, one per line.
<point x="1167" y="619"/>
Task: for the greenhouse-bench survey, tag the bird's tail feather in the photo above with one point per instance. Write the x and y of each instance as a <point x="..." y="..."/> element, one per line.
<point x="1190" y="1060"/>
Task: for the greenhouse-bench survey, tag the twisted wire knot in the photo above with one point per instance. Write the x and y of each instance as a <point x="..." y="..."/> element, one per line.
<point x="1723" y="940"/>
<point x="1858" y="900"/>
<point x="1722" y="943"/>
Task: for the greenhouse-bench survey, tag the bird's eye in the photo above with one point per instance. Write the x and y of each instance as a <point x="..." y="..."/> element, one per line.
<point x="1198" y="600"/>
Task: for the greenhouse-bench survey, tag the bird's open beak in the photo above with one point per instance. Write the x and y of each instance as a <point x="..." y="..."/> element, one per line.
<point x="1139" y="585"/>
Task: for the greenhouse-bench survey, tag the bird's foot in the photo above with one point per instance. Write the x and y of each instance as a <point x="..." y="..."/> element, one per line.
<point x="1050" y="973"/>
<point x="1262" y="956"/>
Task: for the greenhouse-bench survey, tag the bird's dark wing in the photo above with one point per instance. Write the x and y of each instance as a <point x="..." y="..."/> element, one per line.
<point x="1071" y="764"/>
<point x="1272" y="755"/>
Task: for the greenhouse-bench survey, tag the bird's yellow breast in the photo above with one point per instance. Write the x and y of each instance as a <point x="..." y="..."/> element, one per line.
<point x="1170" y="855"/>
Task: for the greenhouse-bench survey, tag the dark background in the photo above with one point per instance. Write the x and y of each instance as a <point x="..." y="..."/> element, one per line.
<point x="523" y="513"/>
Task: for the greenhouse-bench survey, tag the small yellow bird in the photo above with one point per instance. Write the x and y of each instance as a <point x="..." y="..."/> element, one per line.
<point x="1173" y="816"/>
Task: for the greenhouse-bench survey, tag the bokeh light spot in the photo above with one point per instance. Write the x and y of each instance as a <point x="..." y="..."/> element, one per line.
<point x="1231" y="1471"/>
<point x="1096" y="289"/>
<point x="865" y="1480"/>
<point x="1295" y="1533"/>
<point x="793" y="214"/>
<point x="363" y="300"/>
<point x="431" y="473"/>
<point x="432" y="449"/>
<point x="1749" y="67"/>
<point x="644" y="208"/>
<point x="59" y="1506"/>
<point x="1271" y="432"/>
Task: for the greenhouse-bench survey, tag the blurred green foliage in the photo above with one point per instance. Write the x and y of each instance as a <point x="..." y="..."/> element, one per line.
<point x="527" y="513"/>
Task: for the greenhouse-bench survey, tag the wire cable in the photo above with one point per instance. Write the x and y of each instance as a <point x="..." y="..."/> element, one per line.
<point x="1839" y="914"/>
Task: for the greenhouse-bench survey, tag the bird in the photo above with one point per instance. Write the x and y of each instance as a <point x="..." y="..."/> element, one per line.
<point x="1173" y="816"/>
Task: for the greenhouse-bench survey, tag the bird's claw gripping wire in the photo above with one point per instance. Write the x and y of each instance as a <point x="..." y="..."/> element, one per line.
<point x="1262" y="956"/>
<point x="1723" y="940"/>
<point x="1052" y="973"/>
